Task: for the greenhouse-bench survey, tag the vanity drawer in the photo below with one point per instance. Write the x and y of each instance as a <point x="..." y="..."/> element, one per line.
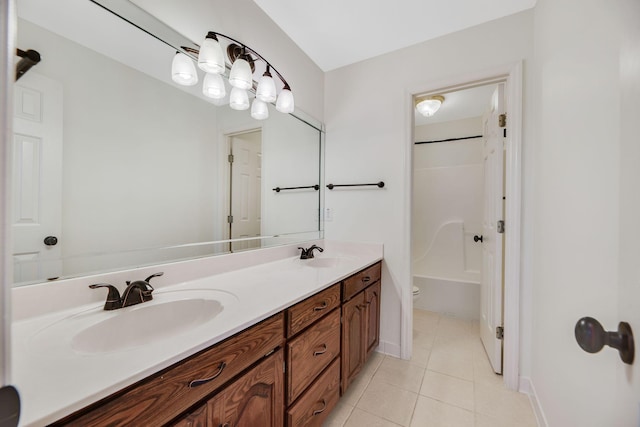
<point x="310" y="352"/>
<point x="315" y="405"/>
<point x="161" y="398"/>
<point x="361" y="280"/>
<point x="308" y="311"/>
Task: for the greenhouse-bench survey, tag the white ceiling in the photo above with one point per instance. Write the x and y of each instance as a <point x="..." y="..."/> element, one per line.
<point x="461" y="104"/>
<point x="335" y="33"/>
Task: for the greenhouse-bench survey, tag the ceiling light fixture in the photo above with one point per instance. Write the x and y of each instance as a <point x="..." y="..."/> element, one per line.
<point x="242" y="59"/>
<point x="428" y="105"/>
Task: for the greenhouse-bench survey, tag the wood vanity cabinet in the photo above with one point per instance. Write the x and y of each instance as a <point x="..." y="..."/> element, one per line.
<point x="313" y="355"/>
<point x="161" y="398"/>
<point x="360" y="321"/>
<point x="254" y="399"/>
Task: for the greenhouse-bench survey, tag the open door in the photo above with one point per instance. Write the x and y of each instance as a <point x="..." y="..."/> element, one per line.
<point x="491" y="300"/>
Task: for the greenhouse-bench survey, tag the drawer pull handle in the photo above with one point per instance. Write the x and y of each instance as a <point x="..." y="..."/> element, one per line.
<point x="319" y="352"/>
<point x="225" y="425"/>
<point x="366" y="279"/>
<point x="321" y="307"/>
<point x="319" y="411"/>
<point x="196" y="383"/>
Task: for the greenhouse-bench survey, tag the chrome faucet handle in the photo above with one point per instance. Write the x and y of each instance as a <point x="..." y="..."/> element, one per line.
<point x="113" y="297"/>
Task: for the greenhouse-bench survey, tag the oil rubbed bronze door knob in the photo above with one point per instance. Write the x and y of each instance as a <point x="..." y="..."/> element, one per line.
<point x="51" y="240"/>
<point x="592" y="337"/>
<point x="477" y="238"/>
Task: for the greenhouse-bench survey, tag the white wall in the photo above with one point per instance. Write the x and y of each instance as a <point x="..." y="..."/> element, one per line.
<point x="368" y="138"/>
<point x="577" y="206"/>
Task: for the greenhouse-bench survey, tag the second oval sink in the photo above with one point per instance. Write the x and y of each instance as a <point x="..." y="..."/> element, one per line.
<point x="143" y="324"/>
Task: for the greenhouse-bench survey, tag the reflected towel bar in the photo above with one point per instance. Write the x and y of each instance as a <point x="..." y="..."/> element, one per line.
<point x="279" y="189"/>
<point x="377" y="184"/>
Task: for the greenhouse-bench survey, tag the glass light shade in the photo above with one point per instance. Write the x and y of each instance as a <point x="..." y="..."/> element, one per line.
<point x="241" y="75"/>
<point x="266" y="90"/>
<point x="213" y="86"/>
<point x="211" y="58"/>
<point x="285" y="102"/>
<point x="183" y="71"/>
<point x="238" y="99"/>
<point x="428" y="107"/>
<point x="259" y="109"/>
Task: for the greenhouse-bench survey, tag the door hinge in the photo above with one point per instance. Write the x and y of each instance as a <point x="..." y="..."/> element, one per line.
<point x="230" y="158"/>
<point x="230" y="219"/>
<point x="500" y="226"/>
<point x="500" y="332"/>
<point x="502" y="120"/>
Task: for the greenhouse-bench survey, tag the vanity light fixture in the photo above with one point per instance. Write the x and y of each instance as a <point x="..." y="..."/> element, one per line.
<point x="183" y="71"/>
<point x="242" y="62"/>
<point x="428" y="105"/>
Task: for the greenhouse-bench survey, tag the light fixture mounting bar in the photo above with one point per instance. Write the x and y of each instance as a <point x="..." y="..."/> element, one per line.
<point x="247" y="48"/>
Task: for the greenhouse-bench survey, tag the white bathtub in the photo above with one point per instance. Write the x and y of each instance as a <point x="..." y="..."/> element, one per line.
<point x="448" y="274"/>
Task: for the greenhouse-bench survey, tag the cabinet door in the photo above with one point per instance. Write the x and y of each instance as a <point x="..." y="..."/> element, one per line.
<point x="353" y="330"/>
<point x="372" y="302"/>
<point x="196" y="418"/>
<point x="254" y="399"/>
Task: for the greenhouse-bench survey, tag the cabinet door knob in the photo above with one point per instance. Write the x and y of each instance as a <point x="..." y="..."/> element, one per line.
<point x="592" y="337"/>
<point x="477" y="238"/>
<point x="196" y="383"/>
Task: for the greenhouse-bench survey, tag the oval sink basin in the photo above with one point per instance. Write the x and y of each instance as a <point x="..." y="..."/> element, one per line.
<point x="143" y="324"/>
<point x="96" y="331"/>
<point x="322" y="262"/>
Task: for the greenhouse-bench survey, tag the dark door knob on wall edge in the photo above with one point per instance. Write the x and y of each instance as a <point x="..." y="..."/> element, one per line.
<point x="51" y="240"/>
<point x="592" y="337"/>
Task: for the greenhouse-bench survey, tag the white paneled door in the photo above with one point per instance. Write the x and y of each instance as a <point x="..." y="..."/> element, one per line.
<point x="246" y="185"/>
<point x="37" y="178"/>
<point x="491" y="310"/>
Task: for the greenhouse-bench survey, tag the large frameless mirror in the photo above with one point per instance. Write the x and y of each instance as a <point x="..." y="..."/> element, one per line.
<point x="115" y="166"/>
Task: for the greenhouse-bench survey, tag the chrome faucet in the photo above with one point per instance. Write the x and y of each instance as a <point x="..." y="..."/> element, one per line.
<point x="308" y="253"/>
<point x="135" y="293"/>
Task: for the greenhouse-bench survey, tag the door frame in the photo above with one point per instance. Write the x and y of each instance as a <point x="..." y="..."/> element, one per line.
<point x="512" y="74"/>
<point x="7" y="74"/>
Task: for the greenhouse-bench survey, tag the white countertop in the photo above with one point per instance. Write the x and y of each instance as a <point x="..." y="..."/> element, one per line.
<point x="54" y="380"/>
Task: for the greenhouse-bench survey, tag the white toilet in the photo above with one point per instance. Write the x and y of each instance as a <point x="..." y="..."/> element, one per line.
<point x="416" y="293"/>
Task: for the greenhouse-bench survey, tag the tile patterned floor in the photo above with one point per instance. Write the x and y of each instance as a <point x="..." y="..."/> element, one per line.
<point x="447" y="383"/>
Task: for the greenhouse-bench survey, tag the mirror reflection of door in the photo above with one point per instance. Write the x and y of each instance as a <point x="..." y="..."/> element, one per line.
<point x="37" y="177"/>
<point x="245" y="189"/>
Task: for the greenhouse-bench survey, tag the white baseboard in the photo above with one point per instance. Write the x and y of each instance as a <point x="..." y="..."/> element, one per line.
<point x="526" y="386"/>
<point x="389" y="348"/>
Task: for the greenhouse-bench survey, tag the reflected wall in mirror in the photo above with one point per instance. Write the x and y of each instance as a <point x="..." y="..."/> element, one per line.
<point x="126" y="169"/>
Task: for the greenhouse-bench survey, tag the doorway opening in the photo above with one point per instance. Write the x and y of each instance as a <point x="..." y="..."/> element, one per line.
<point x="472" y="250"/>
<point x="244" y="219"/>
